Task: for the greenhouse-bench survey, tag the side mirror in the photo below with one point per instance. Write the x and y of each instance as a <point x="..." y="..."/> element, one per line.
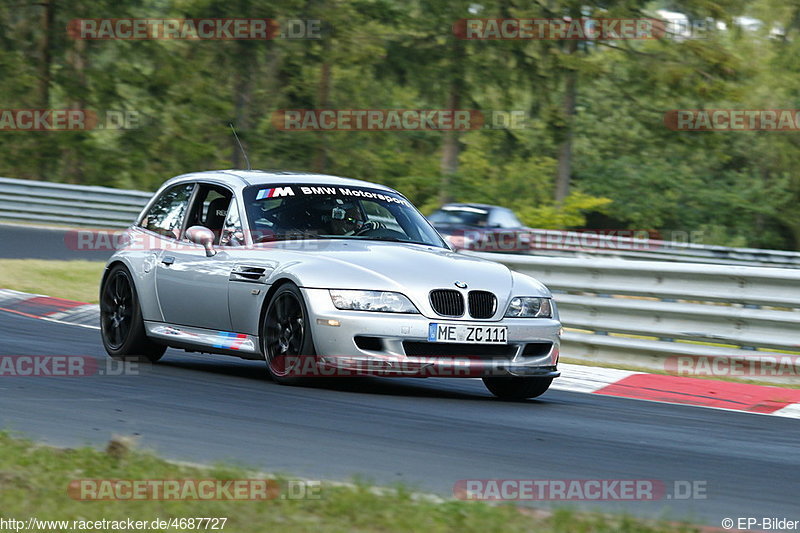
<point x="204" y="237"/>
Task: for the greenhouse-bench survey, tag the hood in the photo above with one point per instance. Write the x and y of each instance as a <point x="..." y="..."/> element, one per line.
<point x="411" y="269"/>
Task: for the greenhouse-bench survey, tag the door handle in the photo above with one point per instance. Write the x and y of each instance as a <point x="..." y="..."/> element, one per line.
<point x="168" y="260"/>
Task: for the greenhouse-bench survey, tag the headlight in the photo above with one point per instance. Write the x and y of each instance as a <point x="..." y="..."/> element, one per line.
<point x="525" y="307"/>
<point x="385" y="302"/>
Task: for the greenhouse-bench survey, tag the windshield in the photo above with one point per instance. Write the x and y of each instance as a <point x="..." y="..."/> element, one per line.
<point x="464" y="216"/>
<point x="283" y="212"/>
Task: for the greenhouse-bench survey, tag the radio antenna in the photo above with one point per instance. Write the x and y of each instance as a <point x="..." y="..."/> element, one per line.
<point x="246" y="160"/>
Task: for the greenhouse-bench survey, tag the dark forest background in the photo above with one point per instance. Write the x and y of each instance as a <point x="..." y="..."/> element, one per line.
<point x="594" y="151"/>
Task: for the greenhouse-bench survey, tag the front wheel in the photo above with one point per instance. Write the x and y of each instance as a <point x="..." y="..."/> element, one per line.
<point x="286" y="336"/>
<point x="517" y="388"/>
<point x="121" y="322"/>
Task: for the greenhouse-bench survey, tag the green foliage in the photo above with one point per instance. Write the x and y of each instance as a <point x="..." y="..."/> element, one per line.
<point x="733" y="188"/>
<point x="571" y="213"/>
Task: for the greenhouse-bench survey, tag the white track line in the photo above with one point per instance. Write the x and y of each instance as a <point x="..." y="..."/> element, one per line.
<point x="790" y="411"/>
<point x="578" y="378"/>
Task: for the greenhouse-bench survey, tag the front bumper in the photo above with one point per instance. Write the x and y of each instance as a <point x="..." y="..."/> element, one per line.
<point x="398" y="344"/>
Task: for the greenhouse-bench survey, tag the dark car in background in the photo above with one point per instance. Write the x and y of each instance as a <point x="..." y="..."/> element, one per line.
<point x="477" y="226"/>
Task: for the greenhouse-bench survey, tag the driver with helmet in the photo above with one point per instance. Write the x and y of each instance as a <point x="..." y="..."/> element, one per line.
<point x="346" y="221"/>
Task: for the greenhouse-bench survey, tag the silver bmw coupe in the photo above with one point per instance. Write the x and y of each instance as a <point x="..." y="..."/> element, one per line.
<point x="320" y="276"/>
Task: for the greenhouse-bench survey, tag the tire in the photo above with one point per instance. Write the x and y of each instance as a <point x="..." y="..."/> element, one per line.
<point x="517" y="388"/>
<point x="286" y="335"/>
<point x="121" y="322"/>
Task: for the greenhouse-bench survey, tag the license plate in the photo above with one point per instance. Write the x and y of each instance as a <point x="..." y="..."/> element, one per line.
<point x="467" y="333"/>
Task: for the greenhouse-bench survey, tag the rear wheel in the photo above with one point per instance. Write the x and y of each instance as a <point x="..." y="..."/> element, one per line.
<point x="286" y="336"/>
<point x="517" y="388"/>
<point x="121" y="322"/>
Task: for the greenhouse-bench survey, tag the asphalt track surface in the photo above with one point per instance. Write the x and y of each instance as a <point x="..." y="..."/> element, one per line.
<point x="21" y="242"/>
<point x="427" y="434"/>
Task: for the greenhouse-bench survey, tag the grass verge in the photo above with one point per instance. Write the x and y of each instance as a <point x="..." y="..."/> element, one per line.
<point x="72" y="280"/>
<point x="34" y="481"/>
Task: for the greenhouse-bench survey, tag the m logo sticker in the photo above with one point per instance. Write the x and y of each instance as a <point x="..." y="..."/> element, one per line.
<point x="274" y="193"/>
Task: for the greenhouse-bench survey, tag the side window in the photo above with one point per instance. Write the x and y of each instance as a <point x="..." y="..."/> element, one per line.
<point x="166" y="214"/>
<point x="217" y="201"/>
<point x="210" y="208"/>
<point x="504" y="218"/>
<point x="232" y="234"/>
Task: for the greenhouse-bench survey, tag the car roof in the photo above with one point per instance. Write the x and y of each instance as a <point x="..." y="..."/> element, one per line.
<point x="271" y="177"/>
<point x="475" y="206"/>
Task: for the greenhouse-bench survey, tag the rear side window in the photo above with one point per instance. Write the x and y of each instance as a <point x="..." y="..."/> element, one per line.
<point x="166" y="214"/>
<point x="504" y="218"/>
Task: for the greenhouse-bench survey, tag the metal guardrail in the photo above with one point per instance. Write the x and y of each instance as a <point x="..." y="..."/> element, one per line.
<point x="588" y="243"/>
<point x="74" y="205"/>
<point x="642" y="313"/>
<point x="556" y="243"/>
